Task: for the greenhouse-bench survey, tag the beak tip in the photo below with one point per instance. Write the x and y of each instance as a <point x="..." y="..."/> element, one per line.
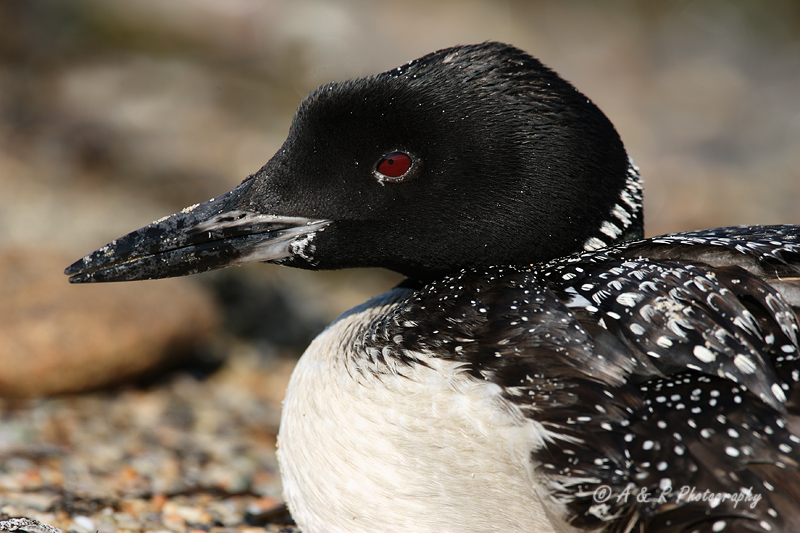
<point x="77" y="273"/>
<point x="80" y="268"/>
<point x="74" y="268"/>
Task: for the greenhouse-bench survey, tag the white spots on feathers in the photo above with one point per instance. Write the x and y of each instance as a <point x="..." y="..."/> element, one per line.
<point x="683" y="314"/>
<point x="621" y="214"/>
<point x="704" y="354"/>
<point x="610" y="230"/>
<point x="637" y="329"/>
<point x="744" y="363"/>
<point x="778" y="392"/>
<point x="629" y="299"/>
<point x="593" y="243"/>
<point x="562" y="341"/>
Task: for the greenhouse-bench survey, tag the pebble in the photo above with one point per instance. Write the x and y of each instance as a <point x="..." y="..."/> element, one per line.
<point x="84" y="523"/>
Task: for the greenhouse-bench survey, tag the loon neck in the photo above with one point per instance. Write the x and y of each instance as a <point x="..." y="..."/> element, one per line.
<point x="625" y="222"/>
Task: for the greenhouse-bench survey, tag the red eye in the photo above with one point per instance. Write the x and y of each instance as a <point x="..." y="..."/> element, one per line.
<point x="394" y="165"/>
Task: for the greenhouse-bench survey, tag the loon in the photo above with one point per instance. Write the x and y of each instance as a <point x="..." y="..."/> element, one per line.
<point x="542" y="367"/>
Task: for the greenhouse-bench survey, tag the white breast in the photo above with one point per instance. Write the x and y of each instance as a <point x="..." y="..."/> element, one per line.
<point x="435" y="450"/>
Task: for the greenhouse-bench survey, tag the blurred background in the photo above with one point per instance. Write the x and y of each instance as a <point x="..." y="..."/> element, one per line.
<point x="159" y="400"/>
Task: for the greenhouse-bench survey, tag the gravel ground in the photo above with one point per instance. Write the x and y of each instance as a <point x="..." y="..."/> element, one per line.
<point x="184" y="453"/>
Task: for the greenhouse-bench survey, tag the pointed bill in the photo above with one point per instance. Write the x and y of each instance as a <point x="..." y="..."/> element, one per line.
<point x="215" y="234"/>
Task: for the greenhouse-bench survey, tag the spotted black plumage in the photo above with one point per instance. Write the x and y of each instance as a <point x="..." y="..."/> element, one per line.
<point x="660" y="376"/>
<point x="538" y="370"/>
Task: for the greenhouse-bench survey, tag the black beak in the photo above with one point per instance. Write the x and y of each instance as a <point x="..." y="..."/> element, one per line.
<point x="215" y="234"/>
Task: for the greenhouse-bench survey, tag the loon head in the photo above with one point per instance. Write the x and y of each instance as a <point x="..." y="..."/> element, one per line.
<point x="470" y="156"/>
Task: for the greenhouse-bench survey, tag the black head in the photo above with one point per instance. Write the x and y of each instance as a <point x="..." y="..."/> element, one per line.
<point x="470" y="156"/>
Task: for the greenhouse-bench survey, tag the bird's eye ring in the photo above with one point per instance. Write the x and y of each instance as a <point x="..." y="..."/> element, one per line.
<point x="394" y="167"/>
